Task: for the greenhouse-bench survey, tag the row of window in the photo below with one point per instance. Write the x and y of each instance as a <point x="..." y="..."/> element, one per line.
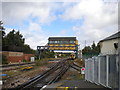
<point x="67" y="42"/>
<point x="57" y="45"/>
<point x="62" y="48"/>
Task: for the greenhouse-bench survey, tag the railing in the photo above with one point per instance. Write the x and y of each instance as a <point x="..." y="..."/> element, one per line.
<point x="103" y="70"/>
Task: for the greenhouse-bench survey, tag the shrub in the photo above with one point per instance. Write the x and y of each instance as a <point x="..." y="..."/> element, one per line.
<point x="4" y="59"/>
<point x="24" y="60"/>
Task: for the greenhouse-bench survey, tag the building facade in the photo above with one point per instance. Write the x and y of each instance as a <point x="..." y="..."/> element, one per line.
<point x="109" y="45"/>
<point x="63" y="43"/>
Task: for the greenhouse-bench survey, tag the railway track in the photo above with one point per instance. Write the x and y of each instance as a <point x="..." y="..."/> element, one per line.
<point x="76" y="67"/>
<point x="50" y="76"/>
<point x="8" y="67"/>
<point x="18" y="64"/>
<point x="14" y="67"/>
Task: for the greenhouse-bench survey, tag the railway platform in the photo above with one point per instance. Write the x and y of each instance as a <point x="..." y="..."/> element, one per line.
<point x="75" y="85"/>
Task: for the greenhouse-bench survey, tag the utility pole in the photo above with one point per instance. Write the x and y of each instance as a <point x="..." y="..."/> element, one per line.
<point x="39" y="54"/>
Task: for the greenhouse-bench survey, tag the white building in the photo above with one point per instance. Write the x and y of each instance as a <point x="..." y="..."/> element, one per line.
<point x="109" y="45"/>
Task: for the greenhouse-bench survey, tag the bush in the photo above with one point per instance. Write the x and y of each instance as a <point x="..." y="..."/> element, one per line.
<point x="24" y="60"/>
<point x="4" y="59"/>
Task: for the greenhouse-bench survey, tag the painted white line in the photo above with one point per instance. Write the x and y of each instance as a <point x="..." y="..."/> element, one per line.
<point x="1" y="82"/>
<point x="43" y="87"/>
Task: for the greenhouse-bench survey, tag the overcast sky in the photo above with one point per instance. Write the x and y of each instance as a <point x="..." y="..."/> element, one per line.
<point x="90" y="20"/>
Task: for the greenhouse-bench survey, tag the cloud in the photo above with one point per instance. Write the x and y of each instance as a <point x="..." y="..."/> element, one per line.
<point x="29" y="17"/>
<point x="17" y="12"/>
<point x="0" y="10"/>
<point x="91" y="10"/>
<point x="63" y="32"/>
<point x="100" y="19"/>
<point x="41" y="0"/>
<point x="36" y="40"/>
<point x="35" y="36"/>
<point x="34" y="27"/>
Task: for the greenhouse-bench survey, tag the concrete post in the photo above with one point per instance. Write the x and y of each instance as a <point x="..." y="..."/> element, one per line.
<point x="99" y="70"/>
<point x="107" y="70"/>
<point x="119" y="61"/>
<point x="93" y="68"/>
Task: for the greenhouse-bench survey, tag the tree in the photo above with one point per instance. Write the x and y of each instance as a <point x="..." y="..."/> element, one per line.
<point x="93" y="45"/>
<point x="2" y="32"/>
<point x="13" y="41"/>
<point x="28" y="50"/>
<point x="46" y="54"/>
<point x="86" y="50"/>
<point x="19" y="40"/>
<point x="92" y="50"/>
<point x="10" y="38"/>
<point x="98" y="48"/>
<point x="4" y="59"/>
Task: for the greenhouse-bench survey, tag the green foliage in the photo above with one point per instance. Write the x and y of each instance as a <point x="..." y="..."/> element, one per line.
<point x="14" y="38"/>
<point x="28" y="50"/>
<point x="2" y="29"/>
<point x="4" y="59"/>
<point x="87" y="49"/>
<point x="24" y="60"/>
<point x="90" y="51"/>
<point x="2" y="34"/>
<point x="41" y="62"/>
<point x="14" y="41"/>
<point x="47" y="54"/>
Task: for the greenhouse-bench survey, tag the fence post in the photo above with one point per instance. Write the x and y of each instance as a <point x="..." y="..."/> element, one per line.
<point x="107" y="70"/>
<point x="99" y="69"/>
<point x="86" y="69"/>
<point x="119" y="66"/>
<point x="119" y="52"/>
<point x="93" y="69"/>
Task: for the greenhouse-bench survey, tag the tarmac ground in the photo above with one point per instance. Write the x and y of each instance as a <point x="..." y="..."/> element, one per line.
<point x="75" y="85"/>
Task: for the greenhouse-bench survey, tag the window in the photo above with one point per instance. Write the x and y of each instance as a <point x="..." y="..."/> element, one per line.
<point x="50" y="41"/>
<point x="65" y="42"/>
<point x="55" y="41"/>
<point x="58" y="41"/>
<point x="71" y="41"/>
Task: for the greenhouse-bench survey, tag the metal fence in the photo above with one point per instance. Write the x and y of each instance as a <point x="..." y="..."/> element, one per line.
<point x="103" y="70"/>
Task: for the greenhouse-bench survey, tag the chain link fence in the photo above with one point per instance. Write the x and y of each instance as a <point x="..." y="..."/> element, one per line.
<point x="103" y="70"/>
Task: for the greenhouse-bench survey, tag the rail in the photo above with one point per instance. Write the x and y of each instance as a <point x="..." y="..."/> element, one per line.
<point x="59" y="68"/>
<point x="18" y="64"/>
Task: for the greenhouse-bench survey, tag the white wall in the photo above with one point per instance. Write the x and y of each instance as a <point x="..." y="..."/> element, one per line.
<point x="107" y="47"/>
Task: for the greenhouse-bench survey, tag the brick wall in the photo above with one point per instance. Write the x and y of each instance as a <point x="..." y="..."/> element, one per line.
<point x="27" y="56"/>
<point x="14" y="58"/>
<point x="17" y="56"/>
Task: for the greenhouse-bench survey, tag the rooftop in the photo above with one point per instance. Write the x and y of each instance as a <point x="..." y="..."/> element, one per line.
<point x="62" y="38"/>
<point x="114" y="36"/>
